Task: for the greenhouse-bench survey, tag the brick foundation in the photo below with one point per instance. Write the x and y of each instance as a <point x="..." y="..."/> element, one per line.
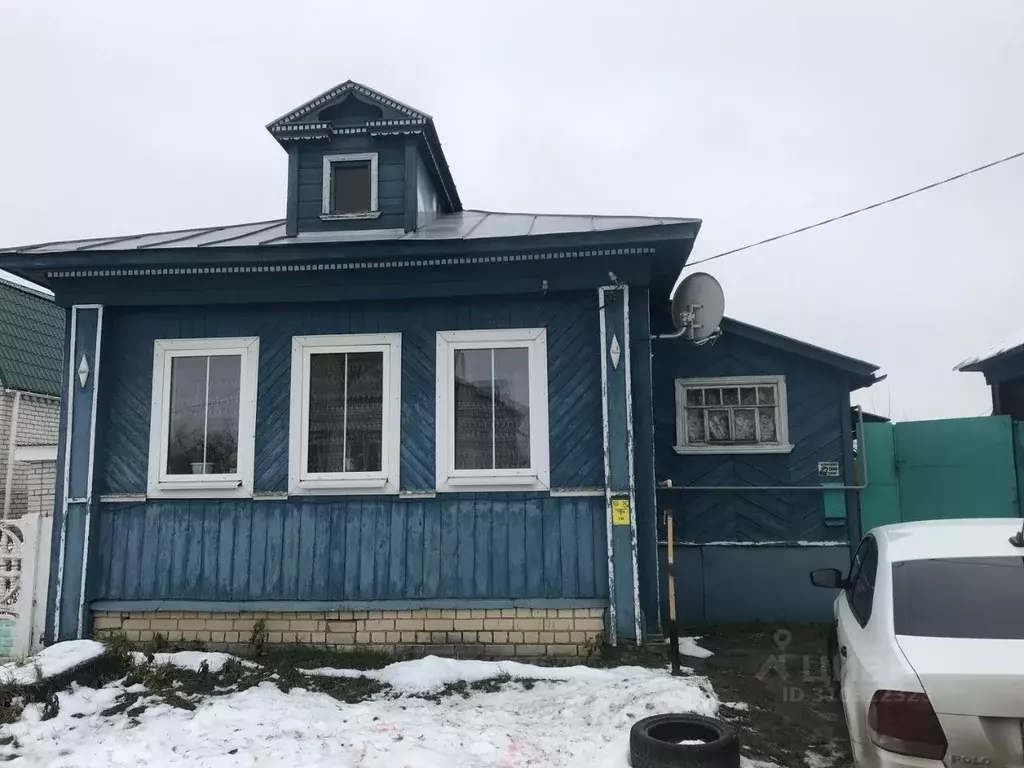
<point x="498" y="632"/>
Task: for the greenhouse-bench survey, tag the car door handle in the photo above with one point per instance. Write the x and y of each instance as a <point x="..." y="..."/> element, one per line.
<point x="842" y="651"/>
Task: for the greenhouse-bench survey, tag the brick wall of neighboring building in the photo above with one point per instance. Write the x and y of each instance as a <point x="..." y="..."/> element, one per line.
<point x="38" y="424"/>
<point x="40" y="482"/>
<point x="494" y="632"/>
<point x="38" y="420"/>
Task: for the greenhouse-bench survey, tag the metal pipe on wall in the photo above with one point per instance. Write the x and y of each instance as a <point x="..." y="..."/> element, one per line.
<point x="12" y="445"/>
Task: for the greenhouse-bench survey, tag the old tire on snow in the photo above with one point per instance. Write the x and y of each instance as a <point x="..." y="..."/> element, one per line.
<point x="654" y="743"/>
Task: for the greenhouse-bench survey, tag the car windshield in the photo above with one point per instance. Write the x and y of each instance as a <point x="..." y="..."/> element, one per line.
<point x="964" y="597"/>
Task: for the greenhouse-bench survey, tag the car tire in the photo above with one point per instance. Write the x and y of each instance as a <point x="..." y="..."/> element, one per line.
<point x="654" y="743"/>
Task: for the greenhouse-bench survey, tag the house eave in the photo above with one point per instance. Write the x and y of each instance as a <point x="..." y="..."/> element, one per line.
<point x="671" y="242"/>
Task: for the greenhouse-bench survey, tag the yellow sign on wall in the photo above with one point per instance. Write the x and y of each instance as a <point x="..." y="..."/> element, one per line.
<point x="620" y="511"/>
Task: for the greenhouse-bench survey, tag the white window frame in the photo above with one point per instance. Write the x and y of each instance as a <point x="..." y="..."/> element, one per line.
<point x="782" y="424"/>
<point x="301" y="481"/>
<point x="236" y="485"/>
<point x="328" y="176"/>
<point x="537" y="475"/>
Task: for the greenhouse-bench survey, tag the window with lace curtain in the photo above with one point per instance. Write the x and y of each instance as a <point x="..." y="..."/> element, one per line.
<point x="203" y="420"/>
<point x="345" y="414"/>
<point x="735" y="414"/>
<point x="492" y="403"/>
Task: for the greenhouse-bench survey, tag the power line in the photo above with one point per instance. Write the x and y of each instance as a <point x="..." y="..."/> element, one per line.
<point x="859" y="210"/>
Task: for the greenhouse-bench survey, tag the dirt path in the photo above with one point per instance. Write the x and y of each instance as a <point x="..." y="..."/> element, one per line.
<point x="780" y="672"/>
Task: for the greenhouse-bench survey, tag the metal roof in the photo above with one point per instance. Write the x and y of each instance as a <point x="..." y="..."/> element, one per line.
<point x="31" y="340"/>
<point x="464" y="225"/>
<point x="1010" y="345"/>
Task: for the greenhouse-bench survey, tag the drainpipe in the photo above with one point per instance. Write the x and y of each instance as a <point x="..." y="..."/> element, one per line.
<point x="12" y="444"/>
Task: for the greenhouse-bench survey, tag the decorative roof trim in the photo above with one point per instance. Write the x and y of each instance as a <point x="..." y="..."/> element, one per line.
<point x="349" y="265"/>
<point x="340" y="90"/>
<point x="374" y="127"/>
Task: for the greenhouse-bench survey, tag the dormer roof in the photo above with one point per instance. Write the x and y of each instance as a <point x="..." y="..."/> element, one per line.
<point x="373" y="113"/>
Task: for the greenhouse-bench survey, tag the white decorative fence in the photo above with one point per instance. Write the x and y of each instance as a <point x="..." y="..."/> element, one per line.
<point x="24" y="572"/>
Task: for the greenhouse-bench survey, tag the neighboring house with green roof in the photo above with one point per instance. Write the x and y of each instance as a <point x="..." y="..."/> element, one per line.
<point x="31" y="367"/>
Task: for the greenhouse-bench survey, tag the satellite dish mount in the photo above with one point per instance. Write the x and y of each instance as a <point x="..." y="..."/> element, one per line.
<point x="698" y="306"/>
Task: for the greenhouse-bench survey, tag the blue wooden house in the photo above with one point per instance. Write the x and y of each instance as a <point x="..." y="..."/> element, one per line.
<point x="390" y="420"/>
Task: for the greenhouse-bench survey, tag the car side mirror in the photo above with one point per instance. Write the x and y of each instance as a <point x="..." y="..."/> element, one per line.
<point x="828" y="578"/>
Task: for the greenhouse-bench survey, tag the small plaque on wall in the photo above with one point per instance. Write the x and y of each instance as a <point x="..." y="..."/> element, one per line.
<point x="620" y="511"/>
<point x="828" y="469"/>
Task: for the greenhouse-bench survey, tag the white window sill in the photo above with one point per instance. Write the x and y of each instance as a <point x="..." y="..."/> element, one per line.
<point x="489" y="483"/>
<point x="198" y="489"/>
<point x="349" y="216"/>
<point x="368" y="487"/>
<point x="696" y="449"/>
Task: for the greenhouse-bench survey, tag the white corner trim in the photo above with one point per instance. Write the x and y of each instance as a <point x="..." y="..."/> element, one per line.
<point x="358" y="157"/>
<point x="613" y="638"/>
<point x="237" y="485"/>
<point x="537" y="476"/>
<point x="69" y="413"/>
<point x="386" y="481"/>
<point x="630" y="437"/>
<point x="781" y="404"/>
<point x="35" y="453"/>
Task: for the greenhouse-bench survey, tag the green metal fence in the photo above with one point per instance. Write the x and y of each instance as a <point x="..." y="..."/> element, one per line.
<point x="950" y="468"/>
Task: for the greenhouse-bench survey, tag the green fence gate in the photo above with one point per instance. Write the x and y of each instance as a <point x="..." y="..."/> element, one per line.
<point x="932" y="470"/>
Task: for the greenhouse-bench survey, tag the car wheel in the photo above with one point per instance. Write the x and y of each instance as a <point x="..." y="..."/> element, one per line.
<point x="683" y="741"/>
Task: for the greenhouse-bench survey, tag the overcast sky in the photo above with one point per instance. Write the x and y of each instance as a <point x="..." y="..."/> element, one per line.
<point x="125" y="117"/>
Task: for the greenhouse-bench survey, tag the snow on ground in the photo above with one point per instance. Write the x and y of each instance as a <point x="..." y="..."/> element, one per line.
<point x="433" y="673"/>
<point x="580" y="719"/>
<point x="688" y="647"/>
<point x="739" y="706"/>
<point x="51" y="661"/>
<point x="192" y="660"/>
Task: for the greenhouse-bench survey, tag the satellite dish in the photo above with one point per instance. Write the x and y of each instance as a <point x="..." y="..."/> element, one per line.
<point x="698" y="307"/>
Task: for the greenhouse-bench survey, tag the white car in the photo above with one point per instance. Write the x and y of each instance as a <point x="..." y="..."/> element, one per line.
<point x="929" y="641"/>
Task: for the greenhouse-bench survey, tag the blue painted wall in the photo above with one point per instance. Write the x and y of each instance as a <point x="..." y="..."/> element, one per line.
<point x="574" y="377"/>
<point x="818" y="410"/>
<point x="468" y="546"/>
<point x="390" y="182"/>
<point x="763" y="583"/>
<point x="459" y="545"/>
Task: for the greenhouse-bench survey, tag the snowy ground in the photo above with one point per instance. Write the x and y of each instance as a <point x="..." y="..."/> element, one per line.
<point x="50" y="662"/>
<point x="568" y="716"/>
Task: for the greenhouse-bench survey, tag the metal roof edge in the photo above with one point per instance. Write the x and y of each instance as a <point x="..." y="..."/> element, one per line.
<point x="975" y="365"/>
<point x="803" y="348"/>
<point x="289" y="249"/>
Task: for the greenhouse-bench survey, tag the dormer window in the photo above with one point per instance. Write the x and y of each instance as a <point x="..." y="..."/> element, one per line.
<point x="350" y="187"/>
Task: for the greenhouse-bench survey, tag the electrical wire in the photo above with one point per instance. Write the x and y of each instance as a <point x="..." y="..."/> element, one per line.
<point x="859" y="210"/>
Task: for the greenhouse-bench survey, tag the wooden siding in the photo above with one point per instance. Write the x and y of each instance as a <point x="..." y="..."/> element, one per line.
<point x="818" y="396"/>
<point x="470" y="546"/>
<point x="574" y="404"/>
<point x="390" y="183"/>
